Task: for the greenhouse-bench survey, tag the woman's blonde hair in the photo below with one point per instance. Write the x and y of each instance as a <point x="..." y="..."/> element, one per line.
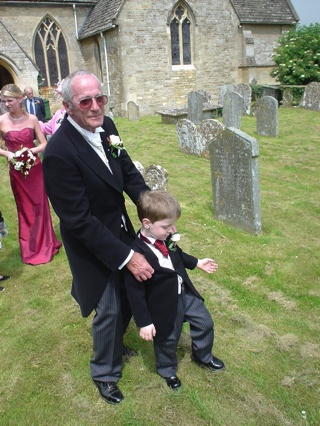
<point x="11" y="90"/>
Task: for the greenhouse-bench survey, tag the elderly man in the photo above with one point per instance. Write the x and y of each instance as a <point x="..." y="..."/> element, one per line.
<point x="85" y="178"/>
<point x="34" y="105"/>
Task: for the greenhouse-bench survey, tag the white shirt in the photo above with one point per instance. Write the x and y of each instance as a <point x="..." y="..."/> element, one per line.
<point x="164" y="261"/>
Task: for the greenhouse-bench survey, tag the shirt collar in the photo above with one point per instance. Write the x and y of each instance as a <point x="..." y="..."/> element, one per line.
<point x="84" y="132"/>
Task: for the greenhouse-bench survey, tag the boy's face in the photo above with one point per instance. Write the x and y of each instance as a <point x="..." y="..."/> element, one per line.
<point x="160" y="230"/>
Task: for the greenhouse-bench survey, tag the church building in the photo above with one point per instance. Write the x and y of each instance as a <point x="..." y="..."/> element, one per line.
<point x="150" y="52"/>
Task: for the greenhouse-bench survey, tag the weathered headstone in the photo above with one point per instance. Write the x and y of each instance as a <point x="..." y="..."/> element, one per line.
<point x="311" y="97"/>
<point x="139" y="167"/>
<point x="195" y="139"/>
<point x="287" y="98"/>
<point x="223" y="91"/>
<point x="245" y="91"/>
<point x="267" y="116"/>
<point x="156" y="177"/>
<point x="196" y="101"/>
<point x="133" y="111"/>
<point x="186" y="132"/>
<point x="235" y="180"/>
<point x="232" y="110"/>
<point x="206" y="132"/>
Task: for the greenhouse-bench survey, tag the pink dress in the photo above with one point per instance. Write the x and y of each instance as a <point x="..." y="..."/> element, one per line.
<point x="52" y="125"/>
<point x="38" y="243"/>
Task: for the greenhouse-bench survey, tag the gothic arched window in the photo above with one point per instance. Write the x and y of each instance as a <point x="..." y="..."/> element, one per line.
<point x="51" y="52"/>
<point x="180" y="30"/>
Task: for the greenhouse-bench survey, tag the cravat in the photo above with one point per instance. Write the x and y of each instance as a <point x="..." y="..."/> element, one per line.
<point x="159" y="244"/>
<point x="31" y="109"/>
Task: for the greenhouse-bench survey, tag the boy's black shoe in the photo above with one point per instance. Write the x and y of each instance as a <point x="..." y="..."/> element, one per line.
<point x="173" y="382"/>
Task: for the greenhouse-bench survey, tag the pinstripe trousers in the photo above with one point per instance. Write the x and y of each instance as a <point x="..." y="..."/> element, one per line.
<point x="191" y="309"/>
<point x="107" y="333"/>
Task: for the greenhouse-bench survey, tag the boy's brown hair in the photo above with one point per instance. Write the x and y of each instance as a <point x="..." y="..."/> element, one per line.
<point x="158" y="205"/>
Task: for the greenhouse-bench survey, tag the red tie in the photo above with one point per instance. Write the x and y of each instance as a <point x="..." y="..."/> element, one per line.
<point x="159" y="244"/>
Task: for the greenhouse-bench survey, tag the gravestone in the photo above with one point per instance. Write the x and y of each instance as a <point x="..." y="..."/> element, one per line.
<point x="223" y="91"/>
<point x="287" y="98"/>
<point x="194" y="139"/>
<point x="196" y="101"/>
<point x="133" y="111"/>
<point x="139" y="167"/>
<point x="235" y="180"/>
<point x="245" y="91"/>
<point x="311" y="96"/>
<point x="186" y="132"/>
<point x="267" y="116"/>
<point x="156" y="177"/>
<point x="232" y="110"/>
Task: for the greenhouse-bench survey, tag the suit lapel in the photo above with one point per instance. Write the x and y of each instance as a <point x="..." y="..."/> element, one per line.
<point x="87" y="154"/>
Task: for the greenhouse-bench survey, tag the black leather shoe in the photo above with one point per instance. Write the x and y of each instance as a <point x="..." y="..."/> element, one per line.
<point x="173" y="382"/>
<point x="126" y="351"/>
<point x="109" y="391"/>
<point x="4" y="277"/>
<point x="214" y="365"/>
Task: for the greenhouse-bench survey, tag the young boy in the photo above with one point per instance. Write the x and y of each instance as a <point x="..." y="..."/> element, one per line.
<point x="163" y="303"/>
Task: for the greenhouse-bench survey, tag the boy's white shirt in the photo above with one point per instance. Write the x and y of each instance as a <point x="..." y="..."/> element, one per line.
<point x="165" y="262"/>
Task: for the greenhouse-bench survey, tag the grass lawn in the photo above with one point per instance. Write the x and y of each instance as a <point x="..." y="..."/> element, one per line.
<point x="264" y="300"/>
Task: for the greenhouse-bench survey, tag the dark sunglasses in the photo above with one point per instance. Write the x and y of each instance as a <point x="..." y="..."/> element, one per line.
<point x="86" y="103"/>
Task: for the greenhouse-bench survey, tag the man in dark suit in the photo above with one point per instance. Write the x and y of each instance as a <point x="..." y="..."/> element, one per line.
<point x="163" y="303"/>
<point x="85" y="179"/>
<point x="34" y="105"/>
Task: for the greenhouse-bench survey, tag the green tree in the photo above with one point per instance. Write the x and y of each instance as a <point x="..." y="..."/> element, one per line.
<point x="297" y="56"/>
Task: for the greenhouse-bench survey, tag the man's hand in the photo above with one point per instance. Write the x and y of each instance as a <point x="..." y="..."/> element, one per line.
<point x="148" y="332"/>
<point x="139" y="267"/>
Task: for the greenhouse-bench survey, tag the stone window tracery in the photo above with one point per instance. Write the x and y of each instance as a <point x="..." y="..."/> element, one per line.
<point x="51" y="52"/>
<point x="180" y="31"/>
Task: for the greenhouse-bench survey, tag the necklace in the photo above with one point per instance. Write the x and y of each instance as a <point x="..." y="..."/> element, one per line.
<point x="12" y="118"/>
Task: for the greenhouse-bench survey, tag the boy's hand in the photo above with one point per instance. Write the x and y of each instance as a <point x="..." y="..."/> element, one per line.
<point x="207" y="265"/>
<point x="148" y="332"/>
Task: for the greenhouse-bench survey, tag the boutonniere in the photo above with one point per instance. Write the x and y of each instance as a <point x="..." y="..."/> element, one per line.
<point x="23" y="160"/>
<point x="115" y="145"/>
<point x="38" y="102"/>
<point x="175" y="237"/>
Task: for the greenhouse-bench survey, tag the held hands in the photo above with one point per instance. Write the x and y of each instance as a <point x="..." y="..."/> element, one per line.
<point x="148" y="332"/>
<point x="207" y="265"/>
<point x="139" y="267"/>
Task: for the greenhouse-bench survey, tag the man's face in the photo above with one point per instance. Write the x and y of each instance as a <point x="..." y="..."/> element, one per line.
<point x="88" y="118"/>
<point x="29" y="93"/>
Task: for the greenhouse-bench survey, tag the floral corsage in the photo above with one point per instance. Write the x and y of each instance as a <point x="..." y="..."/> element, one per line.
<point x="115" y="145"/>
<point x="175" y="237"/>
<point x="23" y="160"/>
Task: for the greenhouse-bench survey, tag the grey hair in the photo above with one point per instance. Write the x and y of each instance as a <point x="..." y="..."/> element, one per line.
<point x="66" y="88"/>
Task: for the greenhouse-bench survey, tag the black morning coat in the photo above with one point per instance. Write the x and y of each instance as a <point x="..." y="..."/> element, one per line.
<point x="89" y="201"/>
<point x="155" y="301"/>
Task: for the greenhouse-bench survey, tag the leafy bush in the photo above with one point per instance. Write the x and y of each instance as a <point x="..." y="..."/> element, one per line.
<point x="298" y="56"/>
<point x="257" y="91"/>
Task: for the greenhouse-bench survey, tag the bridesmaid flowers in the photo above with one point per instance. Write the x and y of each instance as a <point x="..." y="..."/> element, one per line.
<point x="23" y="160"/>
<point x="115" y="145"/>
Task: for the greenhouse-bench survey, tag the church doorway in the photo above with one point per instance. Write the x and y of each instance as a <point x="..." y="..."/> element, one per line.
<point x="5" y="77"/>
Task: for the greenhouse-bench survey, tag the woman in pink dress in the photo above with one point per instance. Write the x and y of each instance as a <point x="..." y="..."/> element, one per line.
<point x="49" y="127"/>
<point x="38" y="243"/>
